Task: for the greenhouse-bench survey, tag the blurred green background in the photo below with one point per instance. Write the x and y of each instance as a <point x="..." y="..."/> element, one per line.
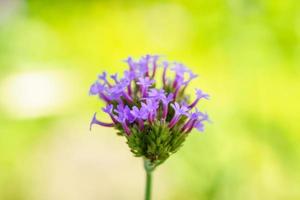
<point x="247" y="53"/>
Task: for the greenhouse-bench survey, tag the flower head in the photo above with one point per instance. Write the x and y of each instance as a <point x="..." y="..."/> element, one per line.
<point x="154" y="120"/>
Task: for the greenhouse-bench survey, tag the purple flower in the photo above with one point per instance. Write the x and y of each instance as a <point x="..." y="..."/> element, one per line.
<point x="125" y="113"/>
<point x="157" y="94"/>
<point x="193" y="117"/>
<point x="128" y="115"/>
<point x="123" y="117"/>
<point x="129" y="75"/>
<point x="177" y="89"/>
<point x="144" y="84"/>
<point x="199" y="123"/>
<point x="196" y="121"/>
<point x="164" y="79"/>
<point x="116" y="91"/>
<point x="166" y="101"/>
<point x="160" y="96"/>
<point x="200" y="95"/>
<point x="104" y="79"/>
<point x="199" y="126"/>
<point x="115" y="78"/>
<point x="95" y="121"/>
<point x="131" y="63"/>
<point x="192" y="77"/>
<point x="139" y="68"/>
<point x="140" y="114"/>
<point x="186" y="83"/>
<point x="109" y="110"/>
<point x="180" y="69"/>
<point x="122" y="120"/>
<point x="100" y="90"/>
<point x="134" y="100"/>
<point x="119" y="90"/>
<point x="155" y="117"/>
<point x="179" y="81"/>
<point x="154" y="64"/>
<point x="151" y="107"/>
<point x="179" y="111"/>
<point x="144" y="65"/>
<point x="96" y="88"/>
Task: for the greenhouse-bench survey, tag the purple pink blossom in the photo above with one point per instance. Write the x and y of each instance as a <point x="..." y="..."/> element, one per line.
<point x="134" y="100"/>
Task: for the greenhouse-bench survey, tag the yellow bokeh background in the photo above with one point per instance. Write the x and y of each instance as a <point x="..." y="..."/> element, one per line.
<point x="247" y="53"/>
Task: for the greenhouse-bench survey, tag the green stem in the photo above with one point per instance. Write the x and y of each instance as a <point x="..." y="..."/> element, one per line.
<point x="149" y="169"/>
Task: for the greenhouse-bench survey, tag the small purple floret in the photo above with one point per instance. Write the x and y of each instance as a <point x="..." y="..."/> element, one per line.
<point x="180" y="110"/>
<point x="200" y="95"/>
<point x="115" y="78"/>
<point x="95" y="121"/>
<point x="144" y="84"/>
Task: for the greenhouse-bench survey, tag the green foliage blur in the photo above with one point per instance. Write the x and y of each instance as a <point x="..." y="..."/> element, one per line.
<point x="247" y="53"/>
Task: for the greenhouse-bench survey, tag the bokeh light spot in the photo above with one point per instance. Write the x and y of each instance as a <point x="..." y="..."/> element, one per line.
<point x="33" y="94"/>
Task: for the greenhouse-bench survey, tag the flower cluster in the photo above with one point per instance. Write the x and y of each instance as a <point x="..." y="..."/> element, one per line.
<point x="154" y="114"/>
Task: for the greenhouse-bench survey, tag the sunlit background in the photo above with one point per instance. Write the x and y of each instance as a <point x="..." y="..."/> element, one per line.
<point x="247" y="53"/>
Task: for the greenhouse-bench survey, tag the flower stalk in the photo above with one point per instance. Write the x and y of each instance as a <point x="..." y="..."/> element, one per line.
<point x="148" y="186"/>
